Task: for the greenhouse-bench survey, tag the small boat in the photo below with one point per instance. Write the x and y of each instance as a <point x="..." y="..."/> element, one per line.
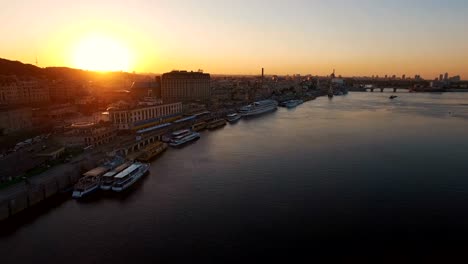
<point x="216" y="123"/>
<point x="199" y="126"/>
<point x="108" y="178"/>
<point x="393" y="96"/>
<point x="292" y="103"/>
<point x="182" y="137"/>
<point x="232" y="118"/>
<point x="129" y="176"/>
<point x="152" y="151"/>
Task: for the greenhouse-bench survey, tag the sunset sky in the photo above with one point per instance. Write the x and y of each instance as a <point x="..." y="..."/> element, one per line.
<point x="357" y="37"/>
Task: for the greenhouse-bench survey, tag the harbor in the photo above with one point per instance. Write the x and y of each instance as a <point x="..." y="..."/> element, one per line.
<point x="254" y="176"/>
<point x="98" y="170"/>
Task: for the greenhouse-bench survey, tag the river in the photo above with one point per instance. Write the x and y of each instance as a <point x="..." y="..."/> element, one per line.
<point x="352" y="176"/>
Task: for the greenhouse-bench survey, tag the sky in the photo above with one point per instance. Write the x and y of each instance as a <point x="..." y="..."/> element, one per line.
<point x="355" y="37"/>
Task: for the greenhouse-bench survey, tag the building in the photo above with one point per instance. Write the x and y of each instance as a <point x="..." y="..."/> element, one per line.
<point x="87" y="134"/>
<point x="148" y="88"/>
<point x="16" y="119"/>
<point x="65" y="90"/>
<point x="446" y="75"/>
<point x="183" y="86"/>
<point x="144" y="116"/>
<point x="22" y="91"/>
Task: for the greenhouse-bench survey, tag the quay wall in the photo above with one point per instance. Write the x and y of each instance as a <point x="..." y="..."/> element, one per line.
<point x="43" y="186"/>
<point x="4" y="210"/>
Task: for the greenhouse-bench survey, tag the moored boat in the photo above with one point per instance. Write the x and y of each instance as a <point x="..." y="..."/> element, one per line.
<point x="109" y="177"/>
<point x="199" y="126"/>
<point x="292" y="103"/>
<point x="216" y="123"/>
<point x="129" y="176"/>
<point x="91" y="180"/>
<point x="234" y="117"/>
<point x="259" y="107"/>
<point x="182" y="137"/>
<point x="89" y="183"/>
<point x="152" y="151"/>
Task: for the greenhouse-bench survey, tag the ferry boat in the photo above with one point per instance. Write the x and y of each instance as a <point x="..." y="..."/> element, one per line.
<point x="199" y="126"/>
<point x="91" y="180"/>
<point x="152" y="151"/>
<point x="109" y="177"/>
<point x="181" y="137"/>
<point x="259" y="107"/>
<point x="89" y="183"/>
<point x="129" y="176"/>
<point x="292" y="103"/>
<point x="216" y="123"/>
<point x="232" y="118"/>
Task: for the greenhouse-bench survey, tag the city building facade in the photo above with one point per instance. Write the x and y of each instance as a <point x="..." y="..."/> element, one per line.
<point x="22" y="91"/>
<point x="183" y="86"/>
<point x="87" y="134"/>
<point x="144" y="116"/>
<point x="15" y="119"/>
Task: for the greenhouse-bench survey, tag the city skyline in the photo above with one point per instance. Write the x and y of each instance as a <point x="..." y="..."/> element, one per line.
<point x="358" y="38"/>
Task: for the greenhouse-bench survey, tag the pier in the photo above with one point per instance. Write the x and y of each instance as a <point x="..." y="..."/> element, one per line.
<point x="21" y="196"/>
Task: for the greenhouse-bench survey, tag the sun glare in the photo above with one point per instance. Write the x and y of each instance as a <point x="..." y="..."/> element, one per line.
<point x="100" y="53"/>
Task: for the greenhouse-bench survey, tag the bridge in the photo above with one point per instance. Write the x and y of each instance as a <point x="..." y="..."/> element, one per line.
<point x="371" y="84"/>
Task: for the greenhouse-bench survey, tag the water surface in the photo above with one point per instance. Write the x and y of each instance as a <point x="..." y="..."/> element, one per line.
<point x="353" y="176"/>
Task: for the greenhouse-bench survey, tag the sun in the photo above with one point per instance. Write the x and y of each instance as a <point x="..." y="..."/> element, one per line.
<point x="101" y="53"/>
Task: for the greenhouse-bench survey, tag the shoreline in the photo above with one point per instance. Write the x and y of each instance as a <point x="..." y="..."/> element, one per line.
<point x="19" y="198"/>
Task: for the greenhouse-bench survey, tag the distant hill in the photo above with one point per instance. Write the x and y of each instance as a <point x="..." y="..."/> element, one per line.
<point x="8" y="67"/>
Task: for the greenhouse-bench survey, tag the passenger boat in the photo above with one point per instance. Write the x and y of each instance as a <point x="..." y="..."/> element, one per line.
<point x="109" y="177"/>
<point x="152" y="151"/>
<point x="91" y="180"/>
<point x="216" y="123"/>
<point x="292" y="103"/>
<point x="181" y="137"/>
<point x="199" y="126"/>
<point x="89" y="183"/>
<point x="129" y="176"/>
<point x="259" y="107"/>
<point x="232" y="118"/>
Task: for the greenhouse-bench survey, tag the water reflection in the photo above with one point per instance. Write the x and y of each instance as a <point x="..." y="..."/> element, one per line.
<point x="348" y="174"/>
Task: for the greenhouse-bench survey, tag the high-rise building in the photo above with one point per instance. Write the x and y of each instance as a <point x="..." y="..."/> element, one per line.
<point x="441" y="77"/>
<point x="403" y="76"/>
<point x="183" y="86"/>
<point x="446" y="76"/>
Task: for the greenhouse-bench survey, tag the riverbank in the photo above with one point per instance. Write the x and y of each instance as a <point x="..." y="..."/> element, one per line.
<point x="24" y="193"/>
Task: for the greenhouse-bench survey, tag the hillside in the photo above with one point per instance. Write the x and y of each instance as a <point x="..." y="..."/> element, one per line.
<point x="8" y="67"/>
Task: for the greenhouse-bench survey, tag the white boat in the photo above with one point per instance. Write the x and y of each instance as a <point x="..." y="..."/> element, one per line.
<point x="91" y="180"/>
<point x="183" y="136"/>
<point x="259" y="107"/>
<point x="89" y="183"/>
<point x="293" y="103"/>
<point x="109" y="177"/>
<point x="129" y="176"/>
<point x="234" y="117"/>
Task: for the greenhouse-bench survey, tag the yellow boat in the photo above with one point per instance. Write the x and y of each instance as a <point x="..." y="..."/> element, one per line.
<point x="199" y="126"/>
<point x="152" y="151"/>
<point x="216" y="123"/>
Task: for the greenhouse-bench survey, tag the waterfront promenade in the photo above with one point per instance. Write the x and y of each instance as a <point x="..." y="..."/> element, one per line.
<point x="60" y="178"/>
